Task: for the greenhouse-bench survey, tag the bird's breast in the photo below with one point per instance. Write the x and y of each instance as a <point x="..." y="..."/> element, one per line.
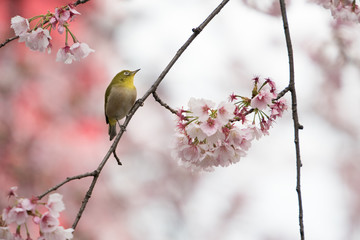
<point x="120" y="101"/>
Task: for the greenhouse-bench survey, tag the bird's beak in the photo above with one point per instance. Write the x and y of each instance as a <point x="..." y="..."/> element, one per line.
<point x="134" y="72"/>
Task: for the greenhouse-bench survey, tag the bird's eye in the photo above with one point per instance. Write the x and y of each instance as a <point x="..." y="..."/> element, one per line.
<point x="126" y="73"/>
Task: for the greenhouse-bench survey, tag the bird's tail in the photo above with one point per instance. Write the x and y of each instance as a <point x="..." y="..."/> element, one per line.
<point x="112" y="130"/>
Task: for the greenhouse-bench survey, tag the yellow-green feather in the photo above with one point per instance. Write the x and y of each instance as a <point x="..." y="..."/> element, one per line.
<point x="121" y="83"/>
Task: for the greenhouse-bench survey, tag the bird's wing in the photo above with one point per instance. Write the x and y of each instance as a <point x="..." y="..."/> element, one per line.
<point x="107" y="93"/>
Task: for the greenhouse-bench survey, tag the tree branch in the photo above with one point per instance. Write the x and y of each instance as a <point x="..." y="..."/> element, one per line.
<point x="157" y="98"/>
<point x="295" y="116"/>
<point x="80" y="2"/>
<point x="68" y="179"/>
<point x="8" y="40"/>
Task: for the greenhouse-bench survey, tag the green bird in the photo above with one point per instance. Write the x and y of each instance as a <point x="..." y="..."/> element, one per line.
<point x="120" y="96"/>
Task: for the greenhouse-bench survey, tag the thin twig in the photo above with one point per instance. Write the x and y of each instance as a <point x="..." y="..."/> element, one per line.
<point x="8" y="40"/>
<point x="80" y="2"/>
<point x="157" y="98"/>
<point x="282" y="93"/>
<point x="87" y="197"/>
<point x="68" y="179"/>
<point x="295" y="116"/>
<point x="117" y="158"/>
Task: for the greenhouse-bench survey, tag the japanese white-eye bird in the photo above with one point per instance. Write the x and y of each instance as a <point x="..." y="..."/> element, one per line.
<point x="120" y="96"/>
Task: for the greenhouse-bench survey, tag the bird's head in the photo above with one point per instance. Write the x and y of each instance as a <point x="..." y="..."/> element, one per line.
<point x="125" y="76"/>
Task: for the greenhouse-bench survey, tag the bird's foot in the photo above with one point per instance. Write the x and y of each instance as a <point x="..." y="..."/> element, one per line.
<point x="140" y="102"/>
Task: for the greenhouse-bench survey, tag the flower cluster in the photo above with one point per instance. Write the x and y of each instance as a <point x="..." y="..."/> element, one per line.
<point x="48" y="222"/>
<point x="342" y="10"/>
<point x="38" y="38"/>
<point x="209" y="136"/>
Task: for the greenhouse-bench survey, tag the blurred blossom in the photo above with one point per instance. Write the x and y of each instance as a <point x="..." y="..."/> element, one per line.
<point x="48" y="222"/>
<point x="58" y="234"/>
<point x="55" y="204"/>
<point x="6" y="234"/>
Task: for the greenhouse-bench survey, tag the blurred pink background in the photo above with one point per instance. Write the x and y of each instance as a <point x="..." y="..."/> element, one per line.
<point x="52" y="124"/>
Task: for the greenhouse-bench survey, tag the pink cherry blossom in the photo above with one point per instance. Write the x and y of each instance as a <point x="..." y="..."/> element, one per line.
<point x="189" y="153"/>
<point x="74" y="53"/>
<point x="38" y="40"/>
<point x="26" y="204"/>
<point x="73" y="12"/>
<point x="224" y="155"/>
<point x="272" y="86"/>
<point x="210" y="126"/>
<point x="55" y="204"/>
<point x="265" y="126"/>
<point x="65" y="55"/>
<point x="59" y="234"/>
<point x="5" y="214"/>
<point x="12" y="192"/>
<point x="207" y="162"/>
<point x="241" y="138"/>
<point x="278" y="108"/>
<point x="225" y="112"/>
<point x="6" y="234"/>
<point x="60" y="17"/>
<point x="48" y="223"/>
<point x="209" y="137"/>
<point x="80" y="50"/>
<point x="345" y="13"/>
<point x="261" y="100"/>
<point x="232" y="97"/>
<point x="20" y="25"/>
<point x="256" y="132"/>
<point x="195" y="131"/>
<point x="200" y="108"/>
<point x="16" y="215"/>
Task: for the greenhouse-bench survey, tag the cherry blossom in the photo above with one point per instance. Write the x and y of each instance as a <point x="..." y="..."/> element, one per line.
<point x="195" y="131"/>
<point x="73" y="11"/>
<point x="278" y="108"/>
<point x="74" y="53"/>
<point x="343" y="11"/>
<point x="58" y="234"/>
<point x="60" y="17"/>
<point x="20" y="25"/>
<point x="28" y="204"/>
<point x="225" y="112"/>
<point x="200" y="108"/>
<point x="48" y="222"/>
<point x="6" y="234"/>
<point x="80" y="50"/>
<point x="55" y="204"/>
<point x="210" y="137"/>
<point x="262" y="100"/>
<point x="12" y="192"/>
<point x="16" y="215"/>
<point x="210" y="126"/>
<point x="65" y="55"/>
<point x="38" y="40"/>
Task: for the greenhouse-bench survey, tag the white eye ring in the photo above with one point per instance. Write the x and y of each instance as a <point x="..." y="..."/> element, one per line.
<point x="126" y="73"/>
